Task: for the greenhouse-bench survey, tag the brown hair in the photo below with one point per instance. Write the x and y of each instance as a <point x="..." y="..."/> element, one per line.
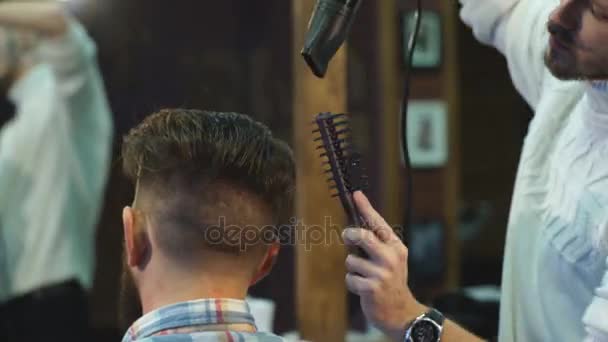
<point x="195" y="166"/>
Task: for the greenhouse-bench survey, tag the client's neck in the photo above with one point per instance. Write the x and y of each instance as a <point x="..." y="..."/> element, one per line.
<point x="162" y="288"/>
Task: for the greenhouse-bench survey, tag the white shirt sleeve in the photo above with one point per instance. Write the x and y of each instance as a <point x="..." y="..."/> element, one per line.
<point x="73" y="59"/>
<point x="518" y="29"/>
<point x="63" y="95"/>
<point x="35" y="167"/>
<point x="596" y="316"/>
<point x="54" y="161"/>
<point x="62" y="114"/>
<point x="71" y="56"/>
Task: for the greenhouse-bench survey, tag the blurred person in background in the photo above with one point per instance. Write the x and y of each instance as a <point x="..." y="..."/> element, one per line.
<point x="54" y="160"/>
<point x="210" y="190"/>
<point x="555" y="273"/>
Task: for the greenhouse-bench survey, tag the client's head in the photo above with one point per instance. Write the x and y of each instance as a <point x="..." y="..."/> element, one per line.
<point x="210" y="190"/>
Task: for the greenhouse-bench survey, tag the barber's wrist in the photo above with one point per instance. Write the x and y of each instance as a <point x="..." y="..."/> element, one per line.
<point x="414" y="310"/>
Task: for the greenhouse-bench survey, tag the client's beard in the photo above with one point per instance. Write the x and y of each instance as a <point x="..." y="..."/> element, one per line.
<point x="129" y="306"/>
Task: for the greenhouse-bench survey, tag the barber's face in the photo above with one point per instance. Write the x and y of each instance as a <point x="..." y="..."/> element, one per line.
<point x="578" y="43"/>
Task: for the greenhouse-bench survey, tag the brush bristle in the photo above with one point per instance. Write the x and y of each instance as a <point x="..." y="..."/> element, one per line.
<point x="339" y="157"/>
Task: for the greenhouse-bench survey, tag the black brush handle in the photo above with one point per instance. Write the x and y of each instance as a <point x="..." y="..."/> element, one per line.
<point x="355" y="220"/>
<point x="354" y="177"/>
<point x="336" y="158"/>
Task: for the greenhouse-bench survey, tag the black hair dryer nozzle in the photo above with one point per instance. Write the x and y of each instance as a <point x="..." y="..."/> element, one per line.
<point x="327" y="30"/>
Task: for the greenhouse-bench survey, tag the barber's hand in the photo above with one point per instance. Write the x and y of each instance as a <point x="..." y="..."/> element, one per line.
<point x="381" y="280"/>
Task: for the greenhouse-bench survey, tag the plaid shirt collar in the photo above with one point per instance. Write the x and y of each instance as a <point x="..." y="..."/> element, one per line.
<point x="185" y="317"/>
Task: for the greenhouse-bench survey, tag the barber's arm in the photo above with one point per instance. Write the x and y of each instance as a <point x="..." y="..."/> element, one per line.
<point x="61" y="41"/>
<point x="78" y="90"/>
<point x="381" y="280"/>
<point x="596" y="316"/>
<point x="518" y="29"/>
<point x="43" y="17"/>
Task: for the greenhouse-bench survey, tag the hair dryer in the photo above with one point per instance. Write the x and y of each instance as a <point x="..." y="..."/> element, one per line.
<point x="327" y="30"/>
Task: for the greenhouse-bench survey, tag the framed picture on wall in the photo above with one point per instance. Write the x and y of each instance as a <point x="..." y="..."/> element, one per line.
<point x="428" y="52"/>
<point x="427" y="134"/>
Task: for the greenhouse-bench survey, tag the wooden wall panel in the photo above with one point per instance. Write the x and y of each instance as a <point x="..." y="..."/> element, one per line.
<point x="320" y="270"/>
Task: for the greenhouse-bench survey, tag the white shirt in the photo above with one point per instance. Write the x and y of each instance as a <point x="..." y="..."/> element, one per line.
<point x="54" y="158"/>
<point x="555" y="279"/>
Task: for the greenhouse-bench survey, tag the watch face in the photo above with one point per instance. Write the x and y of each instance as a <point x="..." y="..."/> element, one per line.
<point x="425" y="331"/>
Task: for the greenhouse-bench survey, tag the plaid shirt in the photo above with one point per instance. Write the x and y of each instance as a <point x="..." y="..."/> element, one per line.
<point x="190" y="321"/>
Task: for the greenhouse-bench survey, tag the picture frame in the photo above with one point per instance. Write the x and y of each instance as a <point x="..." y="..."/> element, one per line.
<point x="428" y="53"/>
<point x="427" y="133"/>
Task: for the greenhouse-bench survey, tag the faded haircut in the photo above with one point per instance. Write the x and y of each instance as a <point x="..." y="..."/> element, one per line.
<point x="200" y="169"/>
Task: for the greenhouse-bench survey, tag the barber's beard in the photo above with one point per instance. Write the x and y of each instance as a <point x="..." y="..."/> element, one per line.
<point x="563" y="67"/>
<point x="571" y="72"/>
<point x="567" y="68"/>
<point x="561" y="56"/>
<point x="129" y="303"/>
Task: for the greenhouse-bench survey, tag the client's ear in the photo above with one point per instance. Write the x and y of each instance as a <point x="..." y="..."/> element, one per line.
<point x="267" y="263"/>
<point x="135" y="239"/>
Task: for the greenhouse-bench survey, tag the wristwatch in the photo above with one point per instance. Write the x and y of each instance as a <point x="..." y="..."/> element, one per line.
<point x="425" y="328"/>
